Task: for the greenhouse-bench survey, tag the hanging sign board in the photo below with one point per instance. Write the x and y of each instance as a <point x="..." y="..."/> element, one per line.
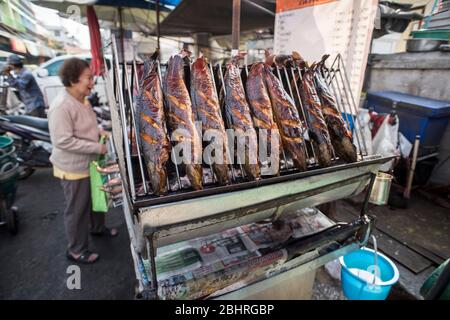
<point x="316" y="27"/>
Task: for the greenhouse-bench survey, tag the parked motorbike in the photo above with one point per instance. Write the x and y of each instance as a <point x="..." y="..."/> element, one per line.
<point x="102" y="112"/>
<point x="10" y="103"/>
<point x="31" y="139"/>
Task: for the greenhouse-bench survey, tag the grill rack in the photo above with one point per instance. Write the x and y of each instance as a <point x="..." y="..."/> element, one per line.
<point x="156" y="221"/>
<point x="126" y="83"/>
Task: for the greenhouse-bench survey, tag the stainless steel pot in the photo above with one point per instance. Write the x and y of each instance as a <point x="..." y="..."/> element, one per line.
<point x="381" y="189"/>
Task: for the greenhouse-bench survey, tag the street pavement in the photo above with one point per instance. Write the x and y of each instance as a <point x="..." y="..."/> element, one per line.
<point x="33" y="263"/>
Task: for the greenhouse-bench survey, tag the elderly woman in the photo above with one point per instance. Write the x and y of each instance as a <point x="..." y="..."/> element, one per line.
<point x="75" y="138"/>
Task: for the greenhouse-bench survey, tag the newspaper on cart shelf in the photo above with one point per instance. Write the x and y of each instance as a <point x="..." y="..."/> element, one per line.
<point x="199" y="267"/>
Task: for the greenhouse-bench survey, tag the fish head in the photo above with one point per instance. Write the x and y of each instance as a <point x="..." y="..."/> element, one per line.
<point x="323" y="60"/>
<point x="298" y="60"/>
<point x="283" y="60"/>
<point x="269" y="58"/>
<point x="257" y="68"/>
<point x="237" y="58"/>
<point x="148" y="70"/>
<point x="277" y="60"/>
<point x="155" y="55"/>
<point x="186" y="55"/>
<point x="200" y="64"/>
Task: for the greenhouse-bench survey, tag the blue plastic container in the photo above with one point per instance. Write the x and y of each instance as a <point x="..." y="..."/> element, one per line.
<point x="418" y="116"/>
<point x="350" y="118"/>
<point x="357" y="288"/>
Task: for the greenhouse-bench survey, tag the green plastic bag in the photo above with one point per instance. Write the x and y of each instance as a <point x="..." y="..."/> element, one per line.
<point x="99" y="197"/>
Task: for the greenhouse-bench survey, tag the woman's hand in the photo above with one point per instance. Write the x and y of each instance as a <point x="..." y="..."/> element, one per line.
<point x="106" y="134"/>
<point x="104" y="149"/>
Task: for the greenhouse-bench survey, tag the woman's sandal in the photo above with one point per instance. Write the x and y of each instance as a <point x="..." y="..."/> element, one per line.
<point x="83" y="258"/>
<point x="106" y="232"/>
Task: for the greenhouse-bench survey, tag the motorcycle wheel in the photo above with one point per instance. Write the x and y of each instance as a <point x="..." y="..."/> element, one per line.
<point x="10" y="216"/>
<point x="25" y="172"/>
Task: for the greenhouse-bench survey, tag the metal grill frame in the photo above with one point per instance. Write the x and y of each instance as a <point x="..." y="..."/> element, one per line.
<point x="125" y="83"/>
<point x="145" y="238"/>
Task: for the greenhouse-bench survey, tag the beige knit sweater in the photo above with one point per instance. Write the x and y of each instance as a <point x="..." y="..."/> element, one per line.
<point x="74" y="134"/>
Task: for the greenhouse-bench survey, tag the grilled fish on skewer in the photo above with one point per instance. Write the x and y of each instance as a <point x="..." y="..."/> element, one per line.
<point x="113" y="182"/>
<point x="112" y="190"/>
<point x="261" y="108"/>
<point x="288" y="119"/>
<point x="341" y="136"/>
<point x="181" y="118"/>
<point x="318" y="130"/>
<point x="238" y="111"/>
<point x="107" y="170"/>
<point x="151" y="119"/>
<point x="206" y="105"/>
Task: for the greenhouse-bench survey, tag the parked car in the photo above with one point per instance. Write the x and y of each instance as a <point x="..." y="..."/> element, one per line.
<point x="47" y="77"/>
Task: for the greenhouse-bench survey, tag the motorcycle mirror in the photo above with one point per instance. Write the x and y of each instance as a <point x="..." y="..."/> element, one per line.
<point x="42" y="73"/>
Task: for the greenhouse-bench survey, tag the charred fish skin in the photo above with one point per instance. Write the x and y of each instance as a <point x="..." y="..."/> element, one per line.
<point x="288" y="120"/>
<point x="151" y="119"/>
<point x="318" y="129"/>
<point x="181" y="118"/>
<point x="261" y="106"/>
<point x="341" y="136"/>
<point x="205" y="102"/>
<point x="238" y="111"/>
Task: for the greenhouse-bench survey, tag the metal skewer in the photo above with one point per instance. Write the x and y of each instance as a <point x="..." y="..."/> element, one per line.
<point x="172" y="152"/>
<point x="133" y="121"/>
<point x="226" y="115"/>
<point x="123" y="116"/>
<point x="352" y="100"/>
<point x="227" y="146"/>
<point x="304" y="114"/>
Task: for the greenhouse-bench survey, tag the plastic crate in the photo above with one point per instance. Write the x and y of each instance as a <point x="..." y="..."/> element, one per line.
<point x="418" y="116"/>
<point x="431" y="34"/>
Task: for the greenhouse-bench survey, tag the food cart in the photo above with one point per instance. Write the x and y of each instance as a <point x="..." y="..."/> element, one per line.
<point x="182" y="214"/>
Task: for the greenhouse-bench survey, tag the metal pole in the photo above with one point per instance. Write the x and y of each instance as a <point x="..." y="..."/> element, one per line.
<point x="133" y="124"/>
<point x="157" y="26"/>
<point x="407" y="193"/>
<point x="122" y="38"/>
<point x="236" y="26"/>
<point x="121" y="99"/>
<point x="365" y="206"/>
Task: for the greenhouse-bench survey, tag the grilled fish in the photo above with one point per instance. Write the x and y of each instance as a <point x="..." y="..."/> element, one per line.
<point x="341" y="136"/>
<point x="181" y="118"/>
<point x="318" y="130"/>
<point x="114" y="168"/>
<point x="206" y="105"/>
<point x="151" y="119"/>
<point x="238" y="112"/>
<point x="312" y="110"/>
<point x="261" y="108"/>
<point x="287" y="118"/>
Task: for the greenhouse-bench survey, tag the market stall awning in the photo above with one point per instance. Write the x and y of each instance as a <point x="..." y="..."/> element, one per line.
<point x="97" y="66"/>
<point x="136" y="15"/>
<point x="215" y="17"/>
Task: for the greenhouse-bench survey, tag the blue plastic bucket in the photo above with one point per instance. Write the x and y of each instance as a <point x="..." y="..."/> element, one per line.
<point x="357" y="275"/>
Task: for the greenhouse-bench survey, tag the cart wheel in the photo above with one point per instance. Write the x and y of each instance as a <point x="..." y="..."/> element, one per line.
<point x="10" y="217"/>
